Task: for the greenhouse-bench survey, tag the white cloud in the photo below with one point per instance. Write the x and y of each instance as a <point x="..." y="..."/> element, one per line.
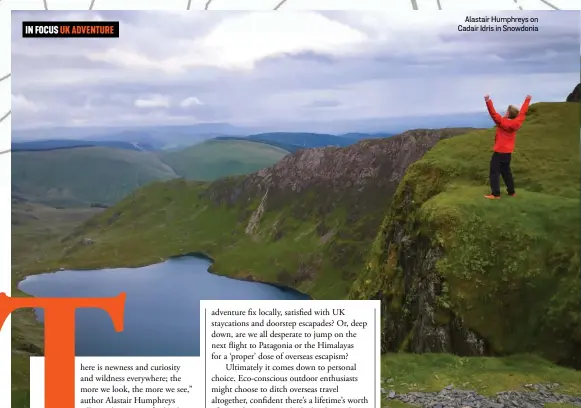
<point x="127" y="58"/>
<point x="82" y="16"/>
<point x="78" y="122"/>
<point x="240" y="41"/>
<point x="152" y="101"/>
<point x="190" y="101"/>
<point x="21" y="103"/>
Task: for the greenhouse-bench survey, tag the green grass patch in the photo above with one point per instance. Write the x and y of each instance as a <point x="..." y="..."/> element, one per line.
<point x="395" y="404"/>
<point x="214" y="159"/>
<point x="403" y="373"/>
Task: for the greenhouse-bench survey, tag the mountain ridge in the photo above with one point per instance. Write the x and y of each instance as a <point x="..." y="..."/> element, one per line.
<point x="232" y="221"/>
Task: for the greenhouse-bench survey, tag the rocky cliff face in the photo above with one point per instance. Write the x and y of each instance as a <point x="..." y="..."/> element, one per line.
<point x="375" y="164"/>
<point x="413" y="292"/>
<point x="343" y="193"/>
<point x="575" y="95"/>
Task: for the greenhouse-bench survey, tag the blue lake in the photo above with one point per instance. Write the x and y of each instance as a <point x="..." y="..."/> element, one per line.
<point x="167" y="327"/>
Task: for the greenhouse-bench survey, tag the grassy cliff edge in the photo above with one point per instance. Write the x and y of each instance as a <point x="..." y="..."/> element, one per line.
<point x="459" y="273"/>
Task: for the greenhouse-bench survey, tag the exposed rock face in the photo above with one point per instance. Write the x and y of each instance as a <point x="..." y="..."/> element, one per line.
<point x="575" y="95"/>
<point x="376" y="163"/>
<point x="341" y="193"/>
<point x="536" y="396"/>
<point x="419" y="325"/>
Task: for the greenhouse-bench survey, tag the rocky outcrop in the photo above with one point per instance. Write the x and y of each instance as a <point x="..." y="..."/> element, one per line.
<point x="375" y="164"/>
<point x="575" y="95"/>
<point x="535" y="396"/>
<point x="256" y="215"/>
<point x="415" y="314"/>
<point x="336" y="196"/>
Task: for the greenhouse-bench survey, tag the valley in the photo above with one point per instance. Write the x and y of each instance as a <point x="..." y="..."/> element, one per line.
<point x="400" y="219"/>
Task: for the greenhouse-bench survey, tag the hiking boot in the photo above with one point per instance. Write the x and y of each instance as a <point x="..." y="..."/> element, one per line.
<point x="492" y="197"/>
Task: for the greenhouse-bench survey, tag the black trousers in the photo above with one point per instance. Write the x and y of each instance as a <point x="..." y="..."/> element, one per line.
<point x="500" y="166"/>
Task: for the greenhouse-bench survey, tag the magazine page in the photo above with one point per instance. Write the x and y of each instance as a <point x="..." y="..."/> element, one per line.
<point x="298" y="208"/>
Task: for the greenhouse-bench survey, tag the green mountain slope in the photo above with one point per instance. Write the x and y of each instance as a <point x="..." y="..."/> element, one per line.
<point x="459" y="273"/>
<point x="35" y="227"/>
<point x="214" y="159"/>
<point x="306" y="221"/>
<point x="84" y="176"/>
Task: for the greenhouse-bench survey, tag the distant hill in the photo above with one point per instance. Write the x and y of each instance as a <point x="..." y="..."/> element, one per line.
<point x="215" y="158"/>
<point x="160" y="137"/>
<point x="55" y="144"/>
<point x="361" y="136"/>
<point x="284" y="146"/>
<point x="304" y="140"/>
<point x="292" y="141"/>
<point x="84" y="176"/>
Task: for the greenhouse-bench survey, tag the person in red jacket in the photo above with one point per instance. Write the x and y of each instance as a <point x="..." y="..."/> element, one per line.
<point x="506" y="128"/>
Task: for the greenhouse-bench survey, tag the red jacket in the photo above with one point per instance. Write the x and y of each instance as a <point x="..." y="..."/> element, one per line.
<point x="506" y="128"/>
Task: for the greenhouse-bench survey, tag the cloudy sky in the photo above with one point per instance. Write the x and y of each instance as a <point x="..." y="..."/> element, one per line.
<point x="277" y="68"/>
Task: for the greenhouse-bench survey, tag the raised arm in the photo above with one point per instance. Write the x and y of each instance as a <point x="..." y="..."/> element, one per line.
<point x="493" y="114"/>
<point x="524" y="109"/>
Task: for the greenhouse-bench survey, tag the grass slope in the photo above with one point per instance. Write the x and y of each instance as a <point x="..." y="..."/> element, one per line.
<point x="506" y="270"/>
<point x="214" y="159"/>
<point x="295" y="141"/>
<point x="36" y="229"/>
<point x="176" y="217"/>
<point x="84" y="176"/>
<point x="284" y="146"/>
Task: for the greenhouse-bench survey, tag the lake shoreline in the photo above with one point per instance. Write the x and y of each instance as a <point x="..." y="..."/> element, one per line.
<point x="193" y="254"/>
<point x="174" y="287"/>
